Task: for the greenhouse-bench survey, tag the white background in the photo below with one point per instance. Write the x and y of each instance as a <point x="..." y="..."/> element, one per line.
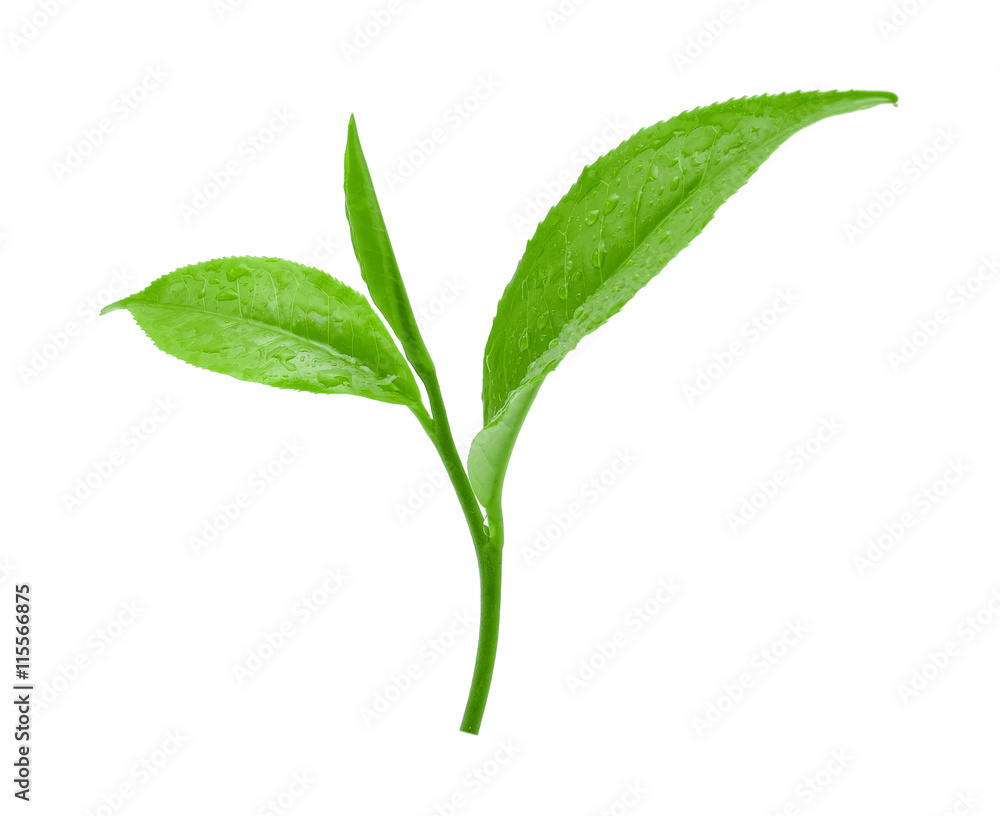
<point x="559" y="81"/>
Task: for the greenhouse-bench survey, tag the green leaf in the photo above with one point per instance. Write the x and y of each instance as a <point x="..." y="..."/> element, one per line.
<point x="375" y="256"/>
<point x="629" y="214"/>
<point x="275" y="322"/>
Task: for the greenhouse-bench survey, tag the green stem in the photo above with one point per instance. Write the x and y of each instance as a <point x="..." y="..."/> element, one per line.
<point x="489" y="556"/>
<point x="487" y="541"/>
<point x="439" y="431"/>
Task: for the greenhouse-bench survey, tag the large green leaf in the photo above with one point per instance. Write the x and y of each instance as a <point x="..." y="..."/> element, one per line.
<point x="629" y="214"/>
<point x="275" y="322"/>
<point x="375" y="256"/>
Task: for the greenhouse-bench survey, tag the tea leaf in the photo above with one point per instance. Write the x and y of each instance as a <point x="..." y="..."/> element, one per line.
<point x="275" y="322"/>
<point x="375" y="256"/>
<point x="629" y="214"/>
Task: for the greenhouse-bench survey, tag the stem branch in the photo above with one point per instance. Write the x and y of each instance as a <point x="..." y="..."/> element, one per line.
<point x="488" y="542"/>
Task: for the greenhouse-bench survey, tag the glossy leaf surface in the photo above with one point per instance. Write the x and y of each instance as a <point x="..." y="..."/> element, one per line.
<point x="375" y="256"/>
<point x="629" y="214"/>
<point x="275" y="322"/>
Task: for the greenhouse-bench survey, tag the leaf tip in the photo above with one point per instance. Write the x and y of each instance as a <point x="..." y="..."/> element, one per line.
<point x="881" y="97"/>
<point x="353" y="148"/>
<point x="869" y="99"/>
<point x="113" y="307"/>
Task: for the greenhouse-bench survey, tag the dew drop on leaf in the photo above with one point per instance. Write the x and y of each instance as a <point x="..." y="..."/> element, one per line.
<point x="611" y="202"/>
<point x="332" y="379"/>
<point x="592" y="216"/>
<point x="236" y="271"/>
<point x="600" y="253"/>
<point x="523" y="342"/>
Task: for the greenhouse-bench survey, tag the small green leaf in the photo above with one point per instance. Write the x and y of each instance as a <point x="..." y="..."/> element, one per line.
<point x="275" y="322"/>
<point x="375" y="256"/>
<point x="629" y="214"/>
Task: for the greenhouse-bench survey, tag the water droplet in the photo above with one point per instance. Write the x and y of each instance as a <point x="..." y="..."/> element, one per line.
<point x="331" y="379"/>
<point x="654" y="171"/>
<point x="240" y="270"/>
<point x="563" y="292"/>
<point x="224" y="295"/>
<point x="611" y="202"/>
<point x="600" y="253"/>
<point x="675" y="182"/>
<point x="523" y="342"/>
<point x="542" y="321"/>
<point x="592" y="216"/>
<point x="553" y="342"/>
